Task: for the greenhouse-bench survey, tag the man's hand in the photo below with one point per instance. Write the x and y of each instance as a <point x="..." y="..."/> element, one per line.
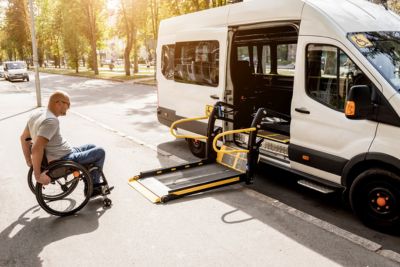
<point x="44" y="179"/>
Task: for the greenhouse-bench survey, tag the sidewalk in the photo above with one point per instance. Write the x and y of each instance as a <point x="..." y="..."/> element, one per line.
<point x="144" y="76"/>
<point x="233" y="226"/>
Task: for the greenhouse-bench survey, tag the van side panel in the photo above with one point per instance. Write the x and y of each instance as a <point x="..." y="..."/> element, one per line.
<point x="262" y="11"/>
<point x="386" y="140"/>
<point x="323" y="129"/>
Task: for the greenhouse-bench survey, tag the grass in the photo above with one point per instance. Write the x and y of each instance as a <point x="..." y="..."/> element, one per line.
<point x="117" y="74"/>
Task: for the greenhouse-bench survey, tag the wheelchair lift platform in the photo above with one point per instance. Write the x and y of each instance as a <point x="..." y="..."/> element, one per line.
<point x="162" y="185"/>
<point x="230" y="165"/>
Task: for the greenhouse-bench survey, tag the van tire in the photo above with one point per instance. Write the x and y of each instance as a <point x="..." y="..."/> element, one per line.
<point x="197" y="147"/>
<point x="27" y="79"/>
<point x="375" y="199"/>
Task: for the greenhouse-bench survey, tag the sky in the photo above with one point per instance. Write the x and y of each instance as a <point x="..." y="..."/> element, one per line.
<point x="112" y="4"/>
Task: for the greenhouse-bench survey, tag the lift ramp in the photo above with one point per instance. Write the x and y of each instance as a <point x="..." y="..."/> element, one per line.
<point x="229" y="165"/>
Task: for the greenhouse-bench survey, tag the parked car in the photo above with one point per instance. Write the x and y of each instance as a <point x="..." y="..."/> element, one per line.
<point x="15" y="70"/>
<point x="1" y="71"/>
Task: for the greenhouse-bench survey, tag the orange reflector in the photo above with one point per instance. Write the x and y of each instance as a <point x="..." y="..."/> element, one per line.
<point x="76" y="174"/>
<point x="305" y="157"/>
<point x="381" y="201"/>
<point x="350" y="108"/>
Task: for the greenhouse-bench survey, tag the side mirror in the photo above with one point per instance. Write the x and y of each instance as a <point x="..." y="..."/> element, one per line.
<point x="359" y="102"/>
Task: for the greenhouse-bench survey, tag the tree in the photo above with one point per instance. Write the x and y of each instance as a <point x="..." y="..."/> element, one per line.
<point x="49" y="30"/>
<point x="17" y="30"/>
<point x="132" y="17"/>
<point x="73" y="41"/>
<point x="93" y="15"/>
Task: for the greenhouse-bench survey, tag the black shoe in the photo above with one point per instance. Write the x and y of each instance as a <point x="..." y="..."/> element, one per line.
<point x="97" y="191"/>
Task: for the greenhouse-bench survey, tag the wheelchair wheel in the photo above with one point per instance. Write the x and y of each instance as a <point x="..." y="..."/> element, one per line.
<point x="64" y="185"/>
<point x="69" y="191"/>
<point x="31" y="181"/>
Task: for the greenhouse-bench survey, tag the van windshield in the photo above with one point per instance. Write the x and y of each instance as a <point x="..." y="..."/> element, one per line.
<point x="15" y="65"/>
<point x="382" y="49"/>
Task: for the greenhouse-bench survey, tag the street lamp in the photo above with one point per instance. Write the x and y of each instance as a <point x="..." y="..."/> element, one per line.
<point x="35" y="56"/>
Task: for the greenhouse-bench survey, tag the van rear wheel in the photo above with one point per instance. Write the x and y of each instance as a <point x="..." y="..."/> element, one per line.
<point x="375" y="199"/>
<point x="197" y="148"/>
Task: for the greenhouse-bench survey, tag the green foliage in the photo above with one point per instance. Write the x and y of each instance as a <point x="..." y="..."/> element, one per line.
<point x="75" y="45"/>
<point x="16" y="41"/>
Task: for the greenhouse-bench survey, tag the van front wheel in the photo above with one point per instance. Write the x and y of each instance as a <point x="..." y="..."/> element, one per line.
<point x="197" y="147"/>
<point x="375" y="199"/>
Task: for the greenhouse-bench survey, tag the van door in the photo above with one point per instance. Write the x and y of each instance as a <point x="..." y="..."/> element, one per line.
<point x="322" y="138"/>
<point x="200" y="71"/>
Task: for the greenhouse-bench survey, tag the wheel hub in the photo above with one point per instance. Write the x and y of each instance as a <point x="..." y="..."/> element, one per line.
<point x="382" y="201"/>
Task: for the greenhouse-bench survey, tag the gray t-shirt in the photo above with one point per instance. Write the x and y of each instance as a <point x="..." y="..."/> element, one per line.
<point x="44" y="123"/>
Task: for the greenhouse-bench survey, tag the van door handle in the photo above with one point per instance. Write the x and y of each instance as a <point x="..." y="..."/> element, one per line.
<point x="302" y="110"/>
<point x="214" y="97"/>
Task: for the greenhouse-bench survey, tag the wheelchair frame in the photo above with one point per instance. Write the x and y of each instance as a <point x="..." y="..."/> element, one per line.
<point x="60" y="169"/>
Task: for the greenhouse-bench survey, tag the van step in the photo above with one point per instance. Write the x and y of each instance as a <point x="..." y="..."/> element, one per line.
<point x="316" y="186"/>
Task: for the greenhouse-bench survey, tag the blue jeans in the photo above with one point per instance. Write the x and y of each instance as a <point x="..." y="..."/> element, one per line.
<point x="88" y="154"/>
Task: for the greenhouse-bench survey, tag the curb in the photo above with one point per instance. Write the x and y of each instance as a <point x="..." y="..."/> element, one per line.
<point x="88" y="77"/>
<point x="355" y="239"/>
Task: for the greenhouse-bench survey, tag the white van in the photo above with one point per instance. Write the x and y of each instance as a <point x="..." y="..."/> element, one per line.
<point x="15" y="70"/>
<point x="326" y="71"/>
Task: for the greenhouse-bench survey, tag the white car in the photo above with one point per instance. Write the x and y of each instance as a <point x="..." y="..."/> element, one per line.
<point x="1" y="71"/>
<point x="15" y="70"/>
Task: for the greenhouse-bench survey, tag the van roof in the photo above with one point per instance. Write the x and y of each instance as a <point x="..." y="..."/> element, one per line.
<point x="316" y="16"/>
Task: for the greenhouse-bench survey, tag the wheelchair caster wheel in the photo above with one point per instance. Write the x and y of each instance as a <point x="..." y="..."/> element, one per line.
<point x="107" y="202"/>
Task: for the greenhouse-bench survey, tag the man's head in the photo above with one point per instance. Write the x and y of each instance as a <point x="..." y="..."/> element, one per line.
<point x="59" y="103"/>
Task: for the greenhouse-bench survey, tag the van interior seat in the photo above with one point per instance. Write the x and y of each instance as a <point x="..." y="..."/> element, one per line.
<point x="242" y="78"/>
<point x="244" y="86"/>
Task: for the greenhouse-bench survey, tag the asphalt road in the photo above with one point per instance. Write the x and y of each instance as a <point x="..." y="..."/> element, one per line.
<point x="121" y="117"/>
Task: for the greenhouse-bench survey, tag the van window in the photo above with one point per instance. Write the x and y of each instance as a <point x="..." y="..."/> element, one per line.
<point x="382" y="49"/>
<point x="286" y="56"/>
<point x="197" y="63"/>
<point x="250" y="54"/>
<point x="330" y="74"/>
<point x="167" y="61"/>
<point x="266" y="59"/>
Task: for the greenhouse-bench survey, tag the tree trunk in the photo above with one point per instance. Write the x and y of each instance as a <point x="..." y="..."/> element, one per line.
<point x="127" y="55"/>
<point x="89" y="9"/>
<point x="135" y="57"/>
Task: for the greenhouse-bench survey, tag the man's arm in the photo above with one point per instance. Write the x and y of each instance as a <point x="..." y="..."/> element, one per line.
<point x="37" y="156"/>
<point x="26" y="145"/>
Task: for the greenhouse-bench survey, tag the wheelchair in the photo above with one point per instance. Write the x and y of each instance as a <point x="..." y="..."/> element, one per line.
<point x="70" y="188"/>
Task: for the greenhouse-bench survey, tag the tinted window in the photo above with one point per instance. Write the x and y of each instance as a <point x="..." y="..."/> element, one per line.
<point x="330" y="75"/>
<point x="197" y="62"/>
<point x="286" y="57"/>
<point x="167" y="61"/>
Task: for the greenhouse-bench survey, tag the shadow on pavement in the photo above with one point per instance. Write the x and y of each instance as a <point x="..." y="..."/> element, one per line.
<point x="282" y="186"/>
<point x="177" y="148"/>
<point x="85" y="91"/>
<point x="23" y="240"/>
<point x="17" y="114"/>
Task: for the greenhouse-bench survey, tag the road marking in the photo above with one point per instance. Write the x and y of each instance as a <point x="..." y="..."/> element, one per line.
<point x="358" y="240"/>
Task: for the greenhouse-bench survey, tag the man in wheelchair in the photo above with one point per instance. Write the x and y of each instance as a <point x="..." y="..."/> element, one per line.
<point x="42" y="136"/>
